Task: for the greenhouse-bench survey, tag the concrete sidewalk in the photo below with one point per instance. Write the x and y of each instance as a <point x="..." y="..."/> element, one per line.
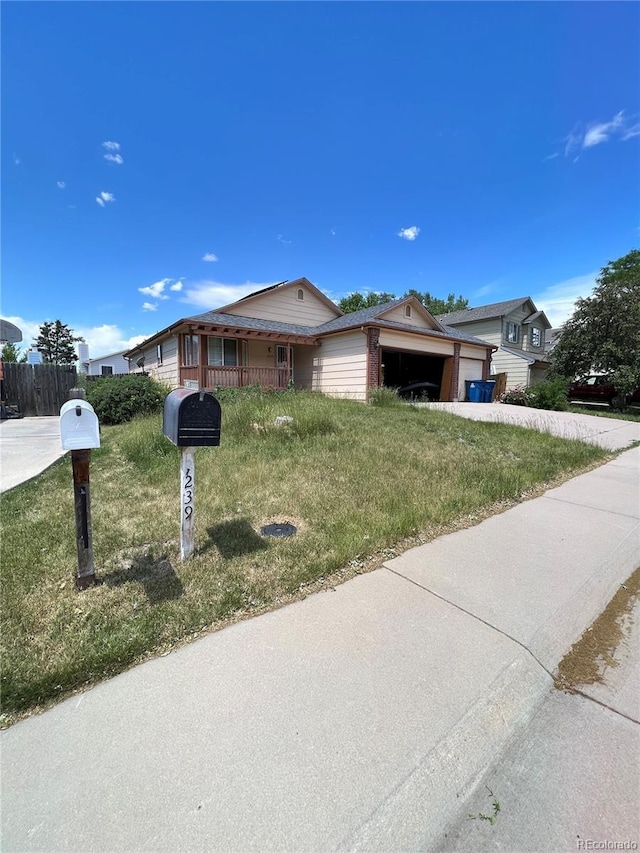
<point x="358" y="719"/>
<point x="27" y="447"/>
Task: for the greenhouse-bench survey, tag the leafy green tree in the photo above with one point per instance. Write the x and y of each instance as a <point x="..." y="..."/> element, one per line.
<point x="436" y="306"/>
<point x="603" y="335"/>
<point x="10" y="352"/>
<point x="358" y="301"/>
<point x="56" y="342"/>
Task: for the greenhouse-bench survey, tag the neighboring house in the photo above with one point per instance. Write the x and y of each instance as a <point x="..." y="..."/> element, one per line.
<point x="517" y="329"/>
<point x="108" y="365"/>
<point x="551" y="338"/>
<point x="291" y="333"/>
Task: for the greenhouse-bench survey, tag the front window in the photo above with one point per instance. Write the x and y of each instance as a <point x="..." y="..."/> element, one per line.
<point x="190" y="350"/>
<point x="223" y="352"/>
<point x="536" y="337"/>
<point x="106" y="370"/>
<point x="513" y="333"/>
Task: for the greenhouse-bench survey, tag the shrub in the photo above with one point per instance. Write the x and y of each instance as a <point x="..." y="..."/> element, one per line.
<point x="117" y="399"/>
<point x="517" y="396"/>
<point x="550" y="394"/>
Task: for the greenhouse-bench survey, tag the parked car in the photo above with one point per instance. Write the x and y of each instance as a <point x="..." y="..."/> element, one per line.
<point x="415" y="390"/>
<point x="598" y="389"/>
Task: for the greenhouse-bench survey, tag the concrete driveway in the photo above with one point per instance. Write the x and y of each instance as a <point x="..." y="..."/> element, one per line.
<point x="610" y="433"/>
<point x="27" y="447"/>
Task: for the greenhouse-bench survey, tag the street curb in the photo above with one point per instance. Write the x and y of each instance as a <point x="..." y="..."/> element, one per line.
<point x="417" y="812"/>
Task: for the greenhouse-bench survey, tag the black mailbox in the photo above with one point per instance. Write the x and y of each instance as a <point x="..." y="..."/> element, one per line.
<point x="192" y="418"/>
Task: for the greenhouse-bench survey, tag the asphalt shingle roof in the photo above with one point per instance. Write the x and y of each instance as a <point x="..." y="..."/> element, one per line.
<point x="484" y="312"/>
<point x="348" y="321"/>
<point x="238" y="322"/>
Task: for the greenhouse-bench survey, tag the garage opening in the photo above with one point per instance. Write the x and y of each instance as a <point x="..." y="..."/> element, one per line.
<point x="413" y="374"/>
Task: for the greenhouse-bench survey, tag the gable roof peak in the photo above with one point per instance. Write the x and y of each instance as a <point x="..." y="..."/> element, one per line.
<point x="285" y="285"/>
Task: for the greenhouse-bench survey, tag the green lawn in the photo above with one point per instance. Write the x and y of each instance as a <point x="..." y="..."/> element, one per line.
<point x="631" y="413"/>
<point x="354" y="479"/>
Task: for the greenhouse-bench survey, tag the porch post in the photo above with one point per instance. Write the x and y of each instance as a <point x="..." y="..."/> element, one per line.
<point x="486" y="366"/>
<point x="373" y="358"/>
<point x="455" y="373"/>
<point x="203" y="357"/>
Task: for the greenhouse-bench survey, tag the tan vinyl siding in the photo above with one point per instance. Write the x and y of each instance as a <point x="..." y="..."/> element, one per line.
<point x="471" y="351"/>
<point x="166" y="372"/>
<point x="537" y="374"/>
<point x="285" y="307"/>
<point x="397" y="315"/>
<point x="517" y="317"/>
<point x="340" y="366"/>
<point x="258" y="354"/>
<point x="488" y="330"/>
<point x="469" y="370"/>
<point x="303" y="357"/>
<point x="516" y="368"/>
<point x="414" y="343"/>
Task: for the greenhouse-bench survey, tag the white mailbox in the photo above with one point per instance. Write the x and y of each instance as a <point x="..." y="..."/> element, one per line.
<point x="79" y="427"/>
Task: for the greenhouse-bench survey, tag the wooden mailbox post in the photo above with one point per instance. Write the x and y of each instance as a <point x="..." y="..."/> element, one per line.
<point x="191" y="419"/>
<point x="80" y="433"/>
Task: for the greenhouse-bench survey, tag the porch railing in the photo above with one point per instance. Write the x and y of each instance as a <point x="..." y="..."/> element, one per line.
<point x="236" y="377"/>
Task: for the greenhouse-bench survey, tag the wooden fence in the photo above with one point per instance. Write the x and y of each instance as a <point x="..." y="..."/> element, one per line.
<point x="500" y="386"/>
<point x="37" y="389"/>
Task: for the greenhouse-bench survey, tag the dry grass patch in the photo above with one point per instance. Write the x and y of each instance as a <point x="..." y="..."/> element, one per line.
<point x="354" y="480"/>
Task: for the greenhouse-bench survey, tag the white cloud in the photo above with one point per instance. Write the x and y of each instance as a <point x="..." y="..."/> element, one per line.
<point x="210" y="257"/>
<point x="620" y="128"/>
<point x="552" y="156"/>
<point x="281" y="239"/>
<point x="177" y="286"/>
<point x="61" y="185"/>
<point x="597" y="133"/>
<point x="149" y="306"/>
<point x="214" y="294"/>
<point x="111" y="146"/>
<point x="333" y="232"/>
<point x="29" y="328"/>
<point x="16" y="160"/>
<point x="114" y="158"/>
<point x="156" y="290"/>
<point x="409" y="233"/>
<point x="485" y="289"/>
<point x="102" y="340"/>
<point x="630" y="132"/>
<point x="558" y="300"/>
<point x="105" y="197"/>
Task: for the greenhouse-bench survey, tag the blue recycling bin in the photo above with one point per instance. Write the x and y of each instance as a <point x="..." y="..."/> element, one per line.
<point x="487" y="386"/>
<point x="474" y="390"/>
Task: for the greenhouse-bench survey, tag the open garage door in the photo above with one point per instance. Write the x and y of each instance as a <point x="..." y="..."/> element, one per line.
<point x="415" y="374"/>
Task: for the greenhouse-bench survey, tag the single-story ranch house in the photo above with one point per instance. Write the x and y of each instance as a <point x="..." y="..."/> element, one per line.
<point x="291" y="333"/>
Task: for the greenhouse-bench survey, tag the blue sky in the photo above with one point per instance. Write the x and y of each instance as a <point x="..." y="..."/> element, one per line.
<point x="162" y="159"/>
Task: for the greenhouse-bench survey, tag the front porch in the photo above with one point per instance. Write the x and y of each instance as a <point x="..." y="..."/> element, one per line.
<point x="239" y="357"/>
<point x="209" y="377"/>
